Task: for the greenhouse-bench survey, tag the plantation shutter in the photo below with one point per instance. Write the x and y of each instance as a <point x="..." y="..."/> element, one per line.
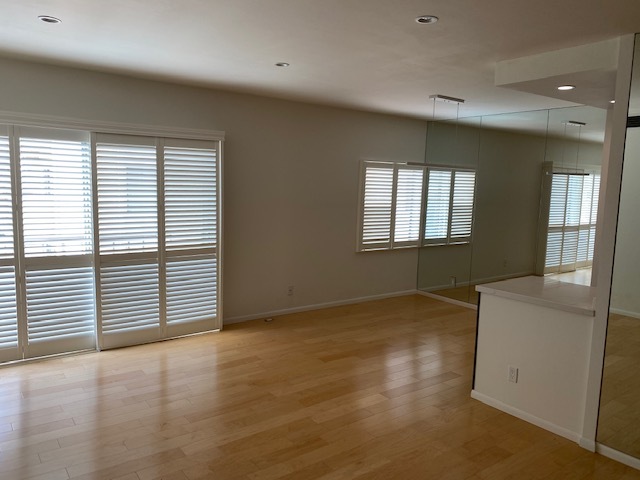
<point x="377" y="206"/>
<point x="398" y="211"/>
<point x="55" y="179"/>
<point x="594" y="217"/>
<point x="462" y="206"/>
<point x="409" y="187"/>
<point x="557" y="208"/>
<point x="8" y="312"/>
<point x="588" y="219"/>
<point x="572" y="221"/>
<point x="127" y="226"/>
<point x="438" y="206"/>
<point x="191" y="190"/>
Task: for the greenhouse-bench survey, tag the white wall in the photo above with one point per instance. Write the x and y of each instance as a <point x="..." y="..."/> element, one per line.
<point x="290" y="180"/>
<point x="549" y="347"/>
<point x="626" y="265"/>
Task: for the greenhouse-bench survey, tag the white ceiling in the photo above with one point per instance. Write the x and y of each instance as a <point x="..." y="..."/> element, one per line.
<point x="365" y="54"/>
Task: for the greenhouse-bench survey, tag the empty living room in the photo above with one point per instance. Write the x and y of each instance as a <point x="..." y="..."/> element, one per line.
<point x="319" y="240"/>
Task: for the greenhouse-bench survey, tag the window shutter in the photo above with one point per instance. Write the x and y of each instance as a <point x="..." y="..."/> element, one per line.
<point x="574" y="200"/>
<point x="594" y="216"/>
<point x="558" y="200"/>
<point x="8" y="312"/>
<point x="56" y="219"/>
<point x="572" y="221"/>
<point x="557" y="207"/>
<point x="127" y="199"/>
<point x="408" y="206"/>
<point x="437" y="208"/>
<point x="60" y="309"/>
<point x="462" y="206"/>
<point x="395" y="201"/>
<point x="191" y="238"/>
<point x="377" y="206"/>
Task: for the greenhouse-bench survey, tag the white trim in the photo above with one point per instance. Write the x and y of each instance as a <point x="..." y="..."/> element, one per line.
<point x="626" y="313"/>
<point x="317" y="306"/>
<point x="527" y="417"/>
<point x="37" y="120"/>
<point x="442" y="298"/>
<point x="587" y="444"/>
<point x="220" y="233"/>
<point x="479" y="281"/>
<point x="611" y="180"/>
<point x="618" y="456"/>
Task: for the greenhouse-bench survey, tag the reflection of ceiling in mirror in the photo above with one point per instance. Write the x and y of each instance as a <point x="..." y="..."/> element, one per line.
<point x="553" y="121"/>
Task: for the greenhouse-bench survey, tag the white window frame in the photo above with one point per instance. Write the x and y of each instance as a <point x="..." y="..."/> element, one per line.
<point x="388" y="242"/>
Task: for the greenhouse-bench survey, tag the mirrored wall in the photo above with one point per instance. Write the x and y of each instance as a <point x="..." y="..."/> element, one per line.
<point x="619" y="419"/>
<point x="535" y="199"/>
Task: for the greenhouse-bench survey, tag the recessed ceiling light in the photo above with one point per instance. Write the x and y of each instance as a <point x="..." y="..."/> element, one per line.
<point x="612" y="101"/>
<point x="49" y="19"/>
<point x="426" y="19"/>
<point x="282" y="64"/>
<point x="566" y="87"/>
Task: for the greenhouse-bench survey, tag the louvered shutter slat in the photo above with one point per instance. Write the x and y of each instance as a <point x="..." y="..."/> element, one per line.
<point x="191" y="216"/>
<point x="437" y="208"/>
<point x="127" y="196"/>
<point x="408" y="206"/>
<point x="55" y="178"/>
<point x="129" y="297"/>
<point x="191" y="288"/>
<point x="462" y="206"/>
<point x="377" y="206"/>
<point x="8" y="313"/>
<point x="60" y="303"/>
<point x="56" y="199"/>
<point x="190" y="200"/>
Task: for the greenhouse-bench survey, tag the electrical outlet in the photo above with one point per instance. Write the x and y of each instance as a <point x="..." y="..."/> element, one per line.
<point x="452" y="281"/>
<point x="290" y="291"/>
<point x="512" y="375"/>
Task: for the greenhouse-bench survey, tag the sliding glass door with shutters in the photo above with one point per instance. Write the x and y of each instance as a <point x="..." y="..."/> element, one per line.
<point x="157" y="216"/>
<point x="572" y="221"/>
<point x="127" y="266"/>
<point x="46" y="275"/>
<point x="57" y="250"/>
<point x="105" y="241"/>
<point x="191" y="236"/>
<point x="9" y="345"/>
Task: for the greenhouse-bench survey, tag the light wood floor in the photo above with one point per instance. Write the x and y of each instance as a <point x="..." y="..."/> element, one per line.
<point x="619" y="422"/>
<point x="372" y="391"/>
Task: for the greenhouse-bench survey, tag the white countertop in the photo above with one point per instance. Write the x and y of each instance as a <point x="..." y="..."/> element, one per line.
<point x="546" y="292"/>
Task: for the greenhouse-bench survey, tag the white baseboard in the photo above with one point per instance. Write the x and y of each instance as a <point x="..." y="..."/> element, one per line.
<point x="478" y="281"/>
<point x="626" y="313"/>
<point x="618" y="456"/>
<point x="527" y="417"/>
<point x="498" y="278"/>
<point x="448" y="300"/>
<point x="317" y="306"/>
<point x="588" y="444"/>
